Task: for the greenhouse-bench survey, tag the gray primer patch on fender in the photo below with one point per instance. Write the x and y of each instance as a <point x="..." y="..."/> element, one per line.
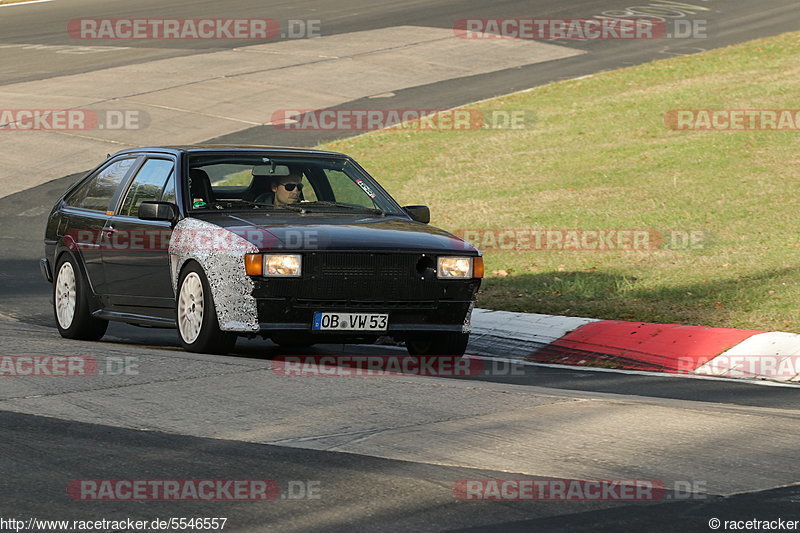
<point x="220" y="253"/>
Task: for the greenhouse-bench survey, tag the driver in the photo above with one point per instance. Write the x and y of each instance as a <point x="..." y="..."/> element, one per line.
<point x="287" y="189"/>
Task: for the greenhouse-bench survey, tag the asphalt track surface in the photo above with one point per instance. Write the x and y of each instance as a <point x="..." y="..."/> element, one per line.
<point x="120" y="429"/>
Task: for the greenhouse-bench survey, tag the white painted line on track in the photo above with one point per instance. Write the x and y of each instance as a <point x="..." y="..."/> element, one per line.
<point x="24" y="3"/>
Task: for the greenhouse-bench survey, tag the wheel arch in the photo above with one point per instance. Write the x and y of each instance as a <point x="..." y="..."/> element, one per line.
<point x="60" y="252"/>
<point x="231" y="288"/>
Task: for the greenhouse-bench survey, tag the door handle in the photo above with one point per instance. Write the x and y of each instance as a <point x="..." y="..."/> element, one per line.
<point x="109" y="232"/>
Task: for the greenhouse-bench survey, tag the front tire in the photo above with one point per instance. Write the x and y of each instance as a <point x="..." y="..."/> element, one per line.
<point x="198" y="328"/>
<point x="454" y="344"/>
<point x="71" y="303"/>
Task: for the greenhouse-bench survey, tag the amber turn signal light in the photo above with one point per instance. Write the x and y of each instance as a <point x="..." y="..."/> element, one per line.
<point x="477" y="267"/>
<point x="254" y="264"/>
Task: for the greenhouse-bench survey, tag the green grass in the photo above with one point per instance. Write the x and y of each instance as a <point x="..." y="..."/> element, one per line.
<point x="600" y="156"/>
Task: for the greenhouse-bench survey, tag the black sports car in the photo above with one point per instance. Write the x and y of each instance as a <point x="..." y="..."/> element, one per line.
<point x="300" y="246"/>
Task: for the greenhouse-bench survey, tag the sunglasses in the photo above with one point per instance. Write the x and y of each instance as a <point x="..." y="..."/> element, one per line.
<point x="290" y="186"/>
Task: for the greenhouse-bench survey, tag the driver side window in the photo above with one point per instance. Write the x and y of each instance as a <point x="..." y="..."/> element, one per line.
<point x="150" y="184"/>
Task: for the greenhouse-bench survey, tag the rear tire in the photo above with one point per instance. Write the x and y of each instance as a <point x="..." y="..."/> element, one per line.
<point x="71" y="303"/>
<point x="454" y="344"/>
<point x="198" y="328"/>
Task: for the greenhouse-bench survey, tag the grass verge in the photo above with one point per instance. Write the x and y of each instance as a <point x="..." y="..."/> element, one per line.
<point x="600" y="156"/>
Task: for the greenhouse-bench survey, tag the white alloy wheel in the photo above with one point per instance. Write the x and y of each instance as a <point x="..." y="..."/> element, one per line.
<point x="66" y="295"/>
<point x="190" y="307"/>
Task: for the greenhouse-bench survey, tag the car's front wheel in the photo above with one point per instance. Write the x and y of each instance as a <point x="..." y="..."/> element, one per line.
<point x="71" y="303"/>
<point x="438" y="344"/>
<point x="198" y="328"/>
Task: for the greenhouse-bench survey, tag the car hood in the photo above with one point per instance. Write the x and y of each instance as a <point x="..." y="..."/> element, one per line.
<point x="315" y="231"/>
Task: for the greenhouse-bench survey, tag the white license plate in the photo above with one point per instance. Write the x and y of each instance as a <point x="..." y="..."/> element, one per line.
<point x="350" y="322"/>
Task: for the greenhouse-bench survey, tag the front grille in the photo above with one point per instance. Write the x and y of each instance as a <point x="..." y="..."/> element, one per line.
<point x="366" y="277"/>
<point x="368" y="304"/>
<point x="363" y="266"/>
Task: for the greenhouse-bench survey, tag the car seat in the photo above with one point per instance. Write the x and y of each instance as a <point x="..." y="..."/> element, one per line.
<point x="200" y="185"/>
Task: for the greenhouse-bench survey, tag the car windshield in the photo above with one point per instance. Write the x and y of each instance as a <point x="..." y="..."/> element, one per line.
<point x="268" y="182"/>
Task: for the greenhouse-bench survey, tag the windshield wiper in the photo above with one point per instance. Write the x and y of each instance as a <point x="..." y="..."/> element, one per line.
<point x="345" y="206"/>
<point x="254" y="203"/>
<point x="270" y="205"/>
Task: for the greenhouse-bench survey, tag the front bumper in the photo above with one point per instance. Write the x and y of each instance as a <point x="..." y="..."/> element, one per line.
<point x="282" y="314"/>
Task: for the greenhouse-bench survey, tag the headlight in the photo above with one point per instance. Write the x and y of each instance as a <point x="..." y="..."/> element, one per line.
<point x="283" y="265"/>
<point x="454" y="267"/>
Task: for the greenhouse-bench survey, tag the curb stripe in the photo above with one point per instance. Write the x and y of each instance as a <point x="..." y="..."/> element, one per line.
<point x="771" y="355"/>
<point x="714" y="353"/>
<point x="508" y="334"/>
<point x="670" y="347"/>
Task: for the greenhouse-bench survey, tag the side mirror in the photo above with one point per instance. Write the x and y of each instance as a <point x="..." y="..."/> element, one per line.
<point x="420" y="213"/>
<point x="158" y="211"/>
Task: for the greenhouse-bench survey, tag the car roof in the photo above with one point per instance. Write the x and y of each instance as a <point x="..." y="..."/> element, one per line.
<point x="232" y="148"/>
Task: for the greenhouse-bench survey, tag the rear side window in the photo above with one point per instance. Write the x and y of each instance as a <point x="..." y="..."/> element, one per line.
<point x="97" y="192"/>
<point x="149" y="185"/>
